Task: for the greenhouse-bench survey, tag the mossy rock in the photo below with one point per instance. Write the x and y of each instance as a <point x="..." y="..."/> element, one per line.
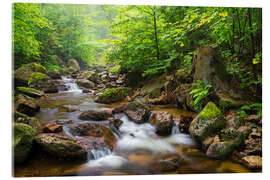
<point x="233" y="136"/>
<point x="30" y="92"/>
<point x="23" y="74"/>
<point x="155" y="93"/>
<point x="137" y="111"/>
<point x="22" y="141"/>
<point x="54" y="74"/>
<point x="210" y="120"/>
<point x="37" y="76"/>
<point x="73" y="63"/>
<point x="113" y="95"/>
<point x="220" y="150"/>
<point x="31" y="121"/>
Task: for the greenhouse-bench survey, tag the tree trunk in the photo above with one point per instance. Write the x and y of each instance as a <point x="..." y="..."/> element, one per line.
<point x="252" y="51"/>
<point x="155" y="28"/>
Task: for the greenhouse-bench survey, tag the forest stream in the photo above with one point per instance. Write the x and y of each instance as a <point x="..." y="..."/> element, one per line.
<point x="138" y="147"/>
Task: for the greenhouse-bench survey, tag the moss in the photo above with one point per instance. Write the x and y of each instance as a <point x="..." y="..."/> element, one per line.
<point x="115" y="94"/>
<point x="155" y="93"/>
<point x="233" y="136"/>
<point x="29" y="91"/>
<point x="36" y="67"/>
<point x="210" y="111"/>
<point x="36" y="76"/>
<point x="115" y="69"/>
<point x="22" y="141"/>
<point x="136" y="105"/>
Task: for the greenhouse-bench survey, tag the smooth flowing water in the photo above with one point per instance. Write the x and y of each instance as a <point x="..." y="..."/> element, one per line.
<point x="137" y="147"/>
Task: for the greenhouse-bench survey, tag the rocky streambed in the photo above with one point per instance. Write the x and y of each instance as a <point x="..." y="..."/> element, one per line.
<point x="78" y="136"/>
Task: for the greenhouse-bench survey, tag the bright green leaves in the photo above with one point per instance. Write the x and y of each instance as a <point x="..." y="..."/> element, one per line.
<point x="199" y="92"/>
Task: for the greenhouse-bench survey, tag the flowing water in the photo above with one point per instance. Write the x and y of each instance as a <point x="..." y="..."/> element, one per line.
<point x="137" y="147"/>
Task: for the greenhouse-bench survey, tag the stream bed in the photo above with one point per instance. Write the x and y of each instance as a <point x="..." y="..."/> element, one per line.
<point x="138" y="146"/>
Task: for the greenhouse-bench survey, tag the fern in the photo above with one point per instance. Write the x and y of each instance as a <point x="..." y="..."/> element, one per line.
<point x="199" y="93"/>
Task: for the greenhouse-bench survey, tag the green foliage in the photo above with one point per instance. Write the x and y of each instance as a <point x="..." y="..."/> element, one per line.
<point x="199" y="92"/>
<point x="115" y="69"/>
<point x="246" y="110"/>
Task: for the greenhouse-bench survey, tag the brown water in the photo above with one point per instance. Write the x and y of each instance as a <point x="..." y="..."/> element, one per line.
<point x="133" y="154"/>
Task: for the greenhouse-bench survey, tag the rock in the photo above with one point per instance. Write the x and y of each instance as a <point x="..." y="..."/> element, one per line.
<point x="253" y="162"/>
<point x="184" y="123"/>
<point x="64" y="121"/>
<point x="254" y="119"/>
<point x="233" y="121"/>
<point x="252" y="147"/>
<point x="229" y="140"/>
<point x="164" y="165"/>
<point x="31" y="121"/>
<point x="22" y="141"/>
<point x="163" y="122"/>
<point x="52" y="127"/>
<point x="245" y="130"/>
<point x="94" y="78"/>
<point x="85" y="83"/>
<point x="61" y="146"/>
<point x="54" y="74"/>
<point x="207" y="142"/>
<point x="207" y="122"/>
<point x="113" y="77"/>
<point x="113" y="95"/>
<point x="209" y="68"/>
<point x="137" y="112"/>
<point x="96" y="115"/>
<point x="102" y="133"/>
<point x="219" y="150"/>
<point x="73" y="63"/>
<point x="235" y="137"/>
<point x="23" y="74"/>
<point x="46" y="84"/>
<point x="67" y="108"/>
<point x="116" y="123"/>
<point x="27" y="105"/>
<point x="30" y="92"/>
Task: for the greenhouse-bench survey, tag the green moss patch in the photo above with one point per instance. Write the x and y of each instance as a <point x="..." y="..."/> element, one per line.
<point x="114" y="95"/>
<point x="36" y="76"/>
<point x="210" y="111"/>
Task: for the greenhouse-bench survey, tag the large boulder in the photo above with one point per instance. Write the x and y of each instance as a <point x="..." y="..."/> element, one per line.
<point x="209" y="67"/>
<point x="96" y="115"/>
<point x="23" y="74"/>
<point x="164" y="164"/>
<point x="68" y="108"/>
<point x="85" y="83"/>
<point x="163" y="122"/>
<point x="73" y="63"/>
<point x="52" y="127"/>
<point x="54" y="74"/>
<point x="42" y="82"/>
<point x="30" y="92"/>
<point x="210" y="120"/>
<point x="113" y="95"/>
<point x="27" y="105"/>
<point x="137" y="111"/>
<point x="22" y="141"/>
<point x="253" y="162"/>
<point x="230" y="139"/>
<point x="96" y="133"/>
<point x="61" y="146"/>
<point x="31" y="121"/>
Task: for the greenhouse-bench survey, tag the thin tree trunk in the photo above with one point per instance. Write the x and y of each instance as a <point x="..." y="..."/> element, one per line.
<point x="252" y="51"/>
<point x="233" y="32"/>
<point x="155" y="28"/>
